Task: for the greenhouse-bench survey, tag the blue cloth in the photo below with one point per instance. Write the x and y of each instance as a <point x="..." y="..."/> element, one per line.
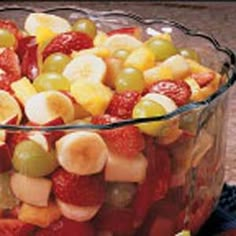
<point x="224" y="216"/>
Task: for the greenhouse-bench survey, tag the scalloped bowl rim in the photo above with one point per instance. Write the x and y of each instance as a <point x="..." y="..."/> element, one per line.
<point x="146" y="21"/>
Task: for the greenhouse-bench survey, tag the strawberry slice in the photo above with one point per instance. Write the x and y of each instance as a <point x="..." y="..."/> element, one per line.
<point x="126" y="141"/>
<point x="117" y="220"/>
<point x="178" y="90"/>
<point x="12" y="227"/>
<point x="133" y="31"/>
<point x="122" y="104"/>
<point x="5" y="158"/>
<point x="157" y="182"/>
<point x="67" y="227"/>
<point x="78" y="190"/>
<point x="9" y="63"/>
<point x="24" y="44"/>
<point x="204" y="78"/>
<point x="30" y="62"/>
<point x="67" y="43"/>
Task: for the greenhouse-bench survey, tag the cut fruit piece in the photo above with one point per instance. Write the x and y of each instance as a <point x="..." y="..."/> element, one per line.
<point x="101" y="51"/>
<point x="179" y="66"/>
<point x="100" y="38"/>
<point x="50" y="22"/>
<point x="23" y="89"/>
<point x="122" y="169"/>
<point x="11" y="121"/>
<point x="85" y="67"/>
<point x="196" y="94"/>
<point x="93" y="97"/>
<point x="39" y="189"/>
<point x="160" y="72"/>
<point x="133" y="31"/>
<point x="30" y="159"/>
<point x="114" y="66"/>
<point x="9" y="107"/>
<point x="40" y="216"/>
<point x="171" y="137"/>
<point x="78" y="213"/>
<point x="48" y="105"/>
<point x="196" y="67"/>
<point x="7" y="198"/>
<point x="40" y="139"/>
<point x="82" y="152"/>
<point x="203" y="144"/>
<point x="122" y="41"/>
<point x="10" y="227"/>
<point x="65" y="226"/>
<point x="141" y="58"/>
<point x="5" y="157"/>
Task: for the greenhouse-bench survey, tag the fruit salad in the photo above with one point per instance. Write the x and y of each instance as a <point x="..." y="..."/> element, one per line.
<point x="80" y="154"/>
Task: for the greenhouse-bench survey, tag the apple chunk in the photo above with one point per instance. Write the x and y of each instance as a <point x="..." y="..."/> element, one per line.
<point x="34" y="191"/>
<point x="125" y="169"/>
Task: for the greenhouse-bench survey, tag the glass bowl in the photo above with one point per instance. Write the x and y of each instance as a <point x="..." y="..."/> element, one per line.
<point x="183" y="180"/>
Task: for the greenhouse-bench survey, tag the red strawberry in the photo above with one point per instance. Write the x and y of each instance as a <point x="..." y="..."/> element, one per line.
<point x="5" y="158"/>
<point x="122" y="104"/>
<point x="117" y="220"/>
<point x="9" y="63"/>
<point x="65" y="226"/>
<point x="78" y="190"/>
<point x="133" y="31"/>
<point x="204" y="78"/>
<point x="12" y="227"/>
<point x="30" y="62"/>
<point x="11" y="27"/>
<point x="67" y="43"/>
<point x="156" y="184"/>
<point x="127" y="140"/>
<point x="24" y="44"/>
<point x="178" y="90"/>
<point x="162" y="226"/>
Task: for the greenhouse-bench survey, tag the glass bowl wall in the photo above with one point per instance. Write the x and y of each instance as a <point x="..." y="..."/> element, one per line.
<point x="190" y="180"/>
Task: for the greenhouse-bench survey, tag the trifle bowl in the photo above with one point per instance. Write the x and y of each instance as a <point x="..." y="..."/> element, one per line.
<point x="110" y="124"/>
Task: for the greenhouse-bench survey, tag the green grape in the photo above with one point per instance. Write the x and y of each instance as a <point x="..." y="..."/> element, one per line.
<point x="56" y="62"/>
<point x="121" y="54"/>
<point x="130" y="79"/>
<point x="161" y="48"/>
<point x="190" y="53"/>
<point x="30" y="159"/>
<point x="120" y="194"/>
<point x="7" y="39"/>
<point x="51" y="81"/>
<point x="7" y="198"/>
<point x="86" y="26"/>
<point x="148" y="108"/>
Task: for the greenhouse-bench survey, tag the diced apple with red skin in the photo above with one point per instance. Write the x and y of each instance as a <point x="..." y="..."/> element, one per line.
<point x="78" y="213"/>
<point x="40" y="216"/>
<point x="34" y="191"/>
<point x="123" y="169"/>
<point x="5" y="158"/>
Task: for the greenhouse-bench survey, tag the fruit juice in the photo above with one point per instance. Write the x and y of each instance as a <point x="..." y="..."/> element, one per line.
<point x="90" y="141"/>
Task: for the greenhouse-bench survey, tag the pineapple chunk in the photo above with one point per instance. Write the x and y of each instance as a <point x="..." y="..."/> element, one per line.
<point x="178" y="65"/>
<point x="141" y="58"/>
<point x="94" y="97"/>
<point x="40" y="216"/>
<point x="23" y="89"/>
<point x="195" y="67"/>
<point x="100" y="38"/>
<point x="160" y="72"/>
<point x="44" y="35"/>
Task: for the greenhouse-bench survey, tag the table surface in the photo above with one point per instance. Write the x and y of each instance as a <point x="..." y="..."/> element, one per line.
<point x="218" y="19"/>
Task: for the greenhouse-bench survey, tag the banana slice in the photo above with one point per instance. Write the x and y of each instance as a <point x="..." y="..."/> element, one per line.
<point x="48" y="105"/>
<point x="85" y="67"/>
<point x="9" y="107"/>
<point x="122" y="41"/>
<point x="77" y="213"/>
<point x="82" y="152"/>
<point x="50" y="22"/>
<point x="163" y="100"/>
